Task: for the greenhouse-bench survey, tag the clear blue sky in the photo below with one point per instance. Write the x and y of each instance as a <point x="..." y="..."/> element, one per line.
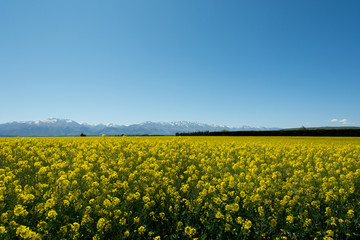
<point x="258" y="63"/>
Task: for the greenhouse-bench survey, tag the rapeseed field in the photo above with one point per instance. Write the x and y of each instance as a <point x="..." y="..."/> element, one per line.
<point x="180" y="188"/>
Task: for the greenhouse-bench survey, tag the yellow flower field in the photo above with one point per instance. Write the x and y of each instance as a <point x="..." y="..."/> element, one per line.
<point x="180" y="188"/>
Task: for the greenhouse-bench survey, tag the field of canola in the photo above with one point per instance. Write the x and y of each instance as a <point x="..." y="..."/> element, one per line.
<point x="180" y="188"/>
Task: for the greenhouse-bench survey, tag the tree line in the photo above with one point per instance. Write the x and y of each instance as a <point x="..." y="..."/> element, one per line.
<point x="326" y="132"/>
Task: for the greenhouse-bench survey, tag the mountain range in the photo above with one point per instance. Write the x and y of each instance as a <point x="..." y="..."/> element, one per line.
<point x="67" y="127"/>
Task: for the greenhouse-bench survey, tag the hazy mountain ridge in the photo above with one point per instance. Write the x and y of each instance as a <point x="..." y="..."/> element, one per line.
<point x="67" y="127"/>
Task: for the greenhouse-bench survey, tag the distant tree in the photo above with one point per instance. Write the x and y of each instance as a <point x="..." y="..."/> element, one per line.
<point x="82" y="135"/>
<point x="303" y="128"/>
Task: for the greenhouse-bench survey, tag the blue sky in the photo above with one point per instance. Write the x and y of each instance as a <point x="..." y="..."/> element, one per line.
<point x="258" y="63"/>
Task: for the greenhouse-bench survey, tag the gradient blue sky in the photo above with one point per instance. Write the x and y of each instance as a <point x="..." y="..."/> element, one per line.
<point x="258" y="63"/>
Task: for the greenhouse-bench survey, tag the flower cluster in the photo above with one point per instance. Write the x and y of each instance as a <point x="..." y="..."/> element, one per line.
<point x="179" y="188"/>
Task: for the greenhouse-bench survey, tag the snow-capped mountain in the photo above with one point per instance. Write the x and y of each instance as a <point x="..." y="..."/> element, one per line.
<point x="67" y="127"/>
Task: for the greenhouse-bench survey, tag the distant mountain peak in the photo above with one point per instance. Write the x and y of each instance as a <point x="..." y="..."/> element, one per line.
<point x="66" y="127"/>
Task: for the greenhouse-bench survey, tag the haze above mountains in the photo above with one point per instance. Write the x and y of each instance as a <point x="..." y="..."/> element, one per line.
<point x="67" y="127"/>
